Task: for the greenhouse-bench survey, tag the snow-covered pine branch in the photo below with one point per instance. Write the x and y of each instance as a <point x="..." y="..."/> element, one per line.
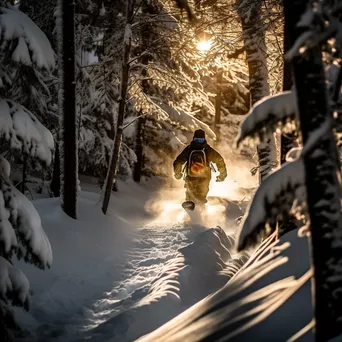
<point x="184" y="119"/>
<point x="4" y="77"/>
<point x="20" y="225"/>
<point x="267" y="114"/>
<point x="14" y="286"/>
<point x="32" y="46"/>
<point x="274" y="200"/>
<point x="24" y="131"/>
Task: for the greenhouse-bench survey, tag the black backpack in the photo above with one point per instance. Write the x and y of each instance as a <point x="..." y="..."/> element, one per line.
<point x="197" y="165"/>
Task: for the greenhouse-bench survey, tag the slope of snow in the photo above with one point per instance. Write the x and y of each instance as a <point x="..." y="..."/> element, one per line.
<point x="192" y="274"/>
<point x="112" y="281"/>
<point x="83" y="250"/>
<point x="268" y="300"/>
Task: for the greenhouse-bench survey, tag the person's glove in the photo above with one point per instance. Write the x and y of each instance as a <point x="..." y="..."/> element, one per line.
<point x="221" y="177"/>
<point x="178" y="175"/>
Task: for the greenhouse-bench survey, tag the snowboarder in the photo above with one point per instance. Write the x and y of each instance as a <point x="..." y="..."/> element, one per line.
<point x="197" y="158"/>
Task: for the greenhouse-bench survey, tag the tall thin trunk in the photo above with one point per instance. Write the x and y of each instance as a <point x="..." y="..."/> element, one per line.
<point x="23" y="180"/>
<point x="146" y="37"/>
<point x="255" y="47"/>
<point x="56" y="180"/>
<point x="67" y="104"/>
<point x="286" y="140"/>
<point x="322" y="183"/>
<point x="218" y="102"/>
<point x="113" y="166"/>
<point x="139" y="149"/>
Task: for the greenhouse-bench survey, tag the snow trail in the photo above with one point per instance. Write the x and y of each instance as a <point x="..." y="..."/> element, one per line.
<point x="122" y="283"/>
<point x="166" y="274"/>
<point x="153" y="246"/>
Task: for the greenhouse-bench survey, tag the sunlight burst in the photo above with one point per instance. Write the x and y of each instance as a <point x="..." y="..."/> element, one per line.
<point x="204" y="45"/>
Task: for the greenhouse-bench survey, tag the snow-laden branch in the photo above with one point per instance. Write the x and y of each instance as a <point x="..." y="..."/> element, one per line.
<point x="24" y="131"/>
<point x="274" y="199"/>
<point x="186" y="120"/>
<point x="4" y="77"/>
<point x="280" y="193"/>
<point x="134" y="120"/>
<point x="14" y="285"/>
<point x="20" y="224"/>
<point x="267" y="114"/>
<point x="33" y="47"/>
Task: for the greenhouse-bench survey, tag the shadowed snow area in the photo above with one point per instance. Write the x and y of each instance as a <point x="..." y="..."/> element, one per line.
<point x="118" y="277"/>
<point x="269" y="299"/>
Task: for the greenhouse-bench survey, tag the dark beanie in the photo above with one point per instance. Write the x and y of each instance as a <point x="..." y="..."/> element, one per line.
<point x="199" y="134"/>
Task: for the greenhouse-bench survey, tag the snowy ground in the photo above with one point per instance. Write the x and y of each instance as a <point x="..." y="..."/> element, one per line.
<point x="146" y="259"/>
<point x="148" y="271"/>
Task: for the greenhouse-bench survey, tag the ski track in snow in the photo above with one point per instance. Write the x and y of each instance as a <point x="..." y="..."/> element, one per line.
<point x="153" y="246"/>
<point x="148" y="283"/>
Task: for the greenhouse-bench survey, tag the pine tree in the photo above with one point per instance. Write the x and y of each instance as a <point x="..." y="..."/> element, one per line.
<point x="21" y="232"/>
<point x="127" y="44"/>
<point x="321" y="178"/>
<point x="255" y="47"/>
<point x="310" y="182"/>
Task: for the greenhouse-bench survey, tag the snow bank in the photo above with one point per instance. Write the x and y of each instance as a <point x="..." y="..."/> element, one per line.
<point x="86" y="253"/>
<point x="194" y="273"/>
<point x="269" y="298"/>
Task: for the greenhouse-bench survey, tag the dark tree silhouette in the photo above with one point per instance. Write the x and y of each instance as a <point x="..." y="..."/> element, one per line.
<point x="286" y="140"/>
<point x="321" y="179"/>
<point x="67" y="104"/>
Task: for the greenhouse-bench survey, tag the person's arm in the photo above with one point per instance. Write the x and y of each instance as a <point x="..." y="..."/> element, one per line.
<point x="180" y="161"/>
<point x="216" y="158"/>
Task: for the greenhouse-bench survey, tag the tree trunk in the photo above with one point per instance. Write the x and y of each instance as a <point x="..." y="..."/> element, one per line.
<point x="255" y="47"/>
<point x="55" y="184"/>
<point x="218" y="103"/>
<point x="322" y="183"/>
<point x="288" y="139"/>
<point x="23" y="180"/>
<point x="146" y="37"/>
<point x="67" y="104"/>
<point x="113" y="166"/>
<point x="139" y="150"/>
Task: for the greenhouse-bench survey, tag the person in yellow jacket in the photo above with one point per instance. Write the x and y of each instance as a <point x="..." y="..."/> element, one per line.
<point x="195" y="161"/>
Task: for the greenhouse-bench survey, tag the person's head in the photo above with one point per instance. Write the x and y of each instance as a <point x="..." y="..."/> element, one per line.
<point x="199" y="136"/>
